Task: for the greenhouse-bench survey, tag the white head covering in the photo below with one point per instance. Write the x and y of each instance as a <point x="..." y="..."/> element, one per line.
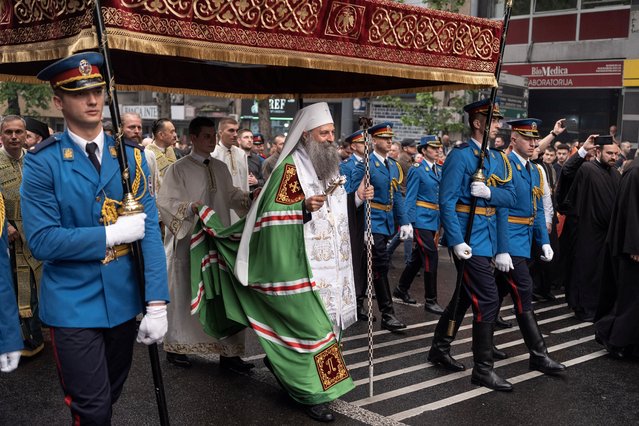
<point x="306" y="119"/>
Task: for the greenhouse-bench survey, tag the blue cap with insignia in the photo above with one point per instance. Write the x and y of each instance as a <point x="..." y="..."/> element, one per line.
<point x="430" y="140"/>
<point x="77" y="72"/>
<point x="357" y="137"/>
<point x="382" y="130"/>
<point x="527" y="127"/>
<point x="481" y="107"/>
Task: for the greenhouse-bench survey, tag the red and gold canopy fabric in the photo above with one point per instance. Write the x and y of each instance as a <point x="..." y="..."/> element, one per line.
<point x="258" y="48"/>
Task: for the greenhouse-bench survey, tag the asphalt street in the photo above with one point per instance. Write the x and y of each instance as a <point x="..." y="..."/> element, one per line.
<point x="407" y="389"/>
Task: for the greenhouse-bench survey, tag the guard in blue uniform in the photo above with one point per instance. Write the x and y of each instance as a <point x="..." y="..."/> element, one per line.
<point x="479" y="288"/>
<point x="526" y="221"/>
<point x="422" y="206"/>
<point x="358" y="248"/>
<point x="385" y="176"/>
<point x="346" y="167"/>
<point x="10" y="337"/>
<point x="70" y="192"/>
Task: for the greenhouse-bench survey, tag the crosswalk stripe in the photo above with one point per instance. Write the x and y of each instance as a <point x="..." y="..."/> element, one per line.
<point x="454" y="376"/>
<point x="434" y="322"/>
<point x="572" y="328"/>
<point x="446" y="402"/>
<point x="428" y="335"/>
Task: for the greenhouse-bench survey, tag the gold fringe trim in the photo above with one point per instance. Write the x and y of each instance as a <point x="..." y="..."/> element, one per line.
<point x="50" y="50"/>
<point x="210" y="51"/>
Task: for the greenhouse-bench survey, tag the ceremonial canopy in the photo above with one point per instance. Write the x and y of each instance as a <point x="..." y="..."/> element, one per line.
<point x="257" y="48"/>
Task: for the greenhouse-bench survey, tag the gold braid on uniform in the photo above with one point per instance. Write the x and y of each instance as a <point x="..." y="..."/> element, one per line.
<point x="2" y="215"/>
<point x="396" y="182"/>
<point x="538" y="191"/>
<point x="495" y="180"/>
<point x="109" y="208"/>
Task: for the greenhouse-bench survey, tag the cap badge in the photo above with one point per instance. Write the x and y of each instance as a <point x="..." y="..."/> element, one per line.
<point x="533" y="126"/>
<point x="84" y="67"/>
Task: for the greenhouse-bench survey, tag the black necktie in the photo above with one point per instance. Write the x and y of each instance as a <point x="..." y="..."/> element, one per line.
<point x="528" y="166"/>
<point x="386" y="163"/>
<point x="91" y="148"/>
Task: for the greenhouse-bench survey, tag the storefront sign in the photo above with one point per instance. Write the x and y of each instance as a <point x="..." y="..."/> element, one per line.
<point x="569" y="74"/>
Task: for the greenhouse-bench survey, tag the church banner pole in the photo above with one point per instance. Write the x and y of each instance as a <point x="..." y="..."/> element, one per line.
<point x="365" y="123"/>
<point x="478" y="176"/>
<point x="129" y="204"/>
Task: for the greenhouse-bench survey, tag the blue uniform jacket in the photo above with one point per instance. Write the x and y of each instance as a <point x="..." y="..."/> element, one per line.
<point x="346" y="168"/>
<point x="423" y="185"/>
<point x="457" y="172"/>
<point x="520" y="236"/>
<point x="62" y="197"/>
<point x="387" y="193"/>
<point x="10" y="337"/>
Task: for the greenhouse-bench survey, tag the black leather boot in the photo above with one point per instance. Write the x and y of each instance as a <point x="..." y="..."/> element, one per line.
<point x="483" y="372"/>
<point x="362" y="313"/>
<point x="539" y="359"/>
<point x="385" y="303"/>
<point x="430" y="286"/>
<point x="499" y="354"/>
<point x="440" y="349"/>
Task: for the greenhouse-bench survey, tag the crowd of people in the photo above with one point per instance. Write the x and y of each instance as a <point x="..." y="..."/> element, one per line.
<point x="283" y="240"/>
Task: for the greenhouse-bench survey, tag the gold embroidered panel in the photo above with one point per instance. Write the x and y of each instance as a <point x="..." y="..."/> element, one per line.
<point x="269" y="41"/>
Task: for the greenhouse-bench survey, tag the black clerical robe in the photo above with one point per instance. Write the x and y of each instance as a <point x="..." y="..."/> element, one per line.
<point x="587" y="200"/>
<point x="619" y="307"/>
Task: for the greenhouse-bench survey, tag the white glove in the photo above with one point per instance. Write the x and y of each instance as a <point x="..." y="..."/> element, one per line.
<point x="125" y="230"/>
<point x="480" y="190"/>
<point x="406" y="232"/>
<point x="463" y="251"/>
<point x="548" y="253"/>
<point x="9" y="361"/>
<point x="153" y="326"/>
<point x="504" y="262"/>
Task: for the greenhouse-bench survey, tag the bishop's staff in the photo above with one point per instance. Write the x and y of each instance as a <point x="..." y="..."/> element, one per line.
<point x="129" y="204"/>
<point x="478" y="176"/>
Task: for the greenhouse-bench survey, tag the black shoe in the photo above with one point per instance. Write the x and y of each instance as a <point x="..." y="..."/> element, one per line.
<point x="391" y="323"/>
<point x="584" y="316"/>
<point x="179" y="360"/>
<point x="320" y="412"/>
<point x="614" y="351"/>
<point x="433" y="307"/>
<point x="502" y="323"/>
<point x="445" y="360"/>
<point x="235" y="363"/>
<point x="543" y="297"/>
<point x="404" y="296"/>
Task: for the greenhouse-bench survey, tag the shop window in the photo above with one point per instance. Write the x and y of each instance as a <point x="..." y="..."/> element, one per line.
<point x="551" y="5"/>
<point x="521" y="8"/>
<point x="591" y="4"/>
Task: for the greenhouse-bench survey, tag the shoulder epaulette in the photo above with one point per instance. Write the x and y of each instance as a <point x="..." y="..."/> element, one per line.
<point x="45" y="143"/>
<point x="462" y="145"/>
<point x="133" y="144"/>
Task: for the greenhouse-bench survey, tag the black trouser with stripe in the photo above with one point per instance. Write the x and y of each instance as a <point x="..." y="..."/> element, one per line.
<point x="93" y="364"/>
<point x="518" y="283"/>
<point x="424" y="254"/>
<point x="480" y="288"/>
